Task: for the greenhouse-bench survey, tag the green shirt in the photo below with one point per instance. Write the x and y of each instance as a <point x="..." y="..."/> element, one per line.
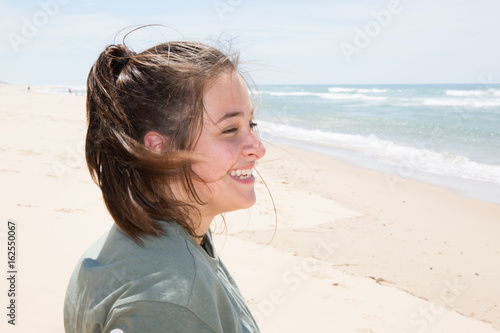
<point x="171" y="284"/>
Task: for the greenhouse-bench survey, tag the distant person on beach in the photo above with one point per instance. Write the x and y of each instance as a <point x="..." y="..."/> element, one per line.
<point x="29" y="89"/>
<point x="69" y="90"/>
<point x="171" y="143"/>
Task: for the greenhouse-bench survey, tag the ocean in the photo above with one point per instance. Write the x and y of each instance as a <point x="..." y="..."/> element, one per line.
<point x="448" y="135"/>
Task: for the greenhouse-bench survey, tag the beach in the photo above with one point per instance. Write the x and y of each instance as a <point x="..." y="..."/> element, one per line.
<point x="341" y="249"/>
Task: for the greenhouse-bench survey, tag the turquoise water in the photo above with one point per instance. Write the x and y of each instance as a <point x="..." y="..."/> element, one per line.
<point x="445" y="134"/>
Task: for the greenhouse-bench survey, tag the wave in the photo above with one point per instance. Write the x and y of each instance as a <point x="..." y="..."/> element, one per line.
<point x="464" y="92"/>
<point x="477" y="93"/>
<point x="358" y="90"/>
<point x="372" y="90"/>
<point x="406" y="159"/>
<point x="62" y="90"/>
<point x="467" y="102"/>
<point x="293" y="93"/>
<point x="472" y="98"/>
<point x="353" y="96"/>
<point x="340" y="89"/>
<point x="334" y="96"/>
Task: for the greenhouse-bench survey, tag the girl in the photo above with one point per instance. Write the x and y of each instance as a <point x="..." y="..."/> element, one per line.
<point x="171" y="142"/>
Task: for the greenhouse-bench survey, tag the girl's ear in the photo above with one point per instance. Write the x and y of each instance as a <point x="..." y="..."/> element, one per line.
<point x="154" y="141"/>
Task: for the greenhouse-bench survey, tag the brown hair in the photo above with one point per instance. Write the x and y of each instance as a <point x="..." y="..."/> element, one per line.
<point x="128" y="94"/>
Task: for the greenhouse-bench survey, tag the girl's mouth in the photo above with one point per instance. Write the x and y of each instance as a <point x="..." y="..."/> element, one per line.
<point x="241" y="173"/>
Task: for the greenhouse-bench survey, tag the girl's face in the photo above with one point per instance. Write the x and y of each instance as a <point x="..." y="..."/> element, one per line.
<point x="227" y="149"/>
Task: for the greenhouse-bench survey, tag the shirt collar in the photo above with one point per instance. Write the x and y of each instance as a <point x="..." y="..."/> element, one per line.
<point x="208" y="249"/>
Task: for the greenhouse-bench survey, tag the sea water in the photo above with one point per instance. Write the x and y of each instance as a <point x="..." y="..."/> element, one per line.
<point x="443" y="134"/>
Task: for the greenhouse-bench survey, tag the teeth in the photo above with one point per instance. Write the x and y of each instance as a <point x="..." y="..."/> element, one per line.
<point x="241" y="173"/>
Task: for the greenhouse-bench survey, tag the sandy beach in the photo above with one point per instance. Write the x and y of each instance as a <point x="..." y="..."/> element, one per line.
<point x="343" y="249"/>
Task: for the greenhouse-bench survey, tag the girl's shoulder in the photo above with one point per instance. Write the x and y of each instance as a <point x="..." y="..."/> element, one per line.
<point x="170" y="262"/>
<point x="116" y="271"/>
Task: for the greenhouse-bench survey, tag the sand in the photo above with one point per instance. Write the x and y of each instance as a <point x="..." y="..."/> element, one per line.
<point x="347" y="250"/>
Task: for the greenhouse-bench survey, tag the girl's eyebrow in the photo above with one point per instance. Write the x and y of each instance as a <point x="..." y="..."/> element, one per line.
<point x="232" y="114"/>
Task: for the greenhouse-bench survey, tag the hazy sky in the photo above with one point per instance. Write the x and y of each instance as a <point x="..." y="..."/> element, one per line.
<point x="293" y="42"/>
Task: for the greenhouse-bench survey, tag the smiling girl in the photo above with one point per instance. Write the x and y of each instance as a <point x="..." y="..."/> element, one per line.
<point x="171" y="143"/>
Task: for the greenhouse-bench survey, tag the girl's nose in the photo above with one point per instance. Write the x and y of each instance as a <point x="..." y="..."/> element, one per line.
<point x="254" y="147"/>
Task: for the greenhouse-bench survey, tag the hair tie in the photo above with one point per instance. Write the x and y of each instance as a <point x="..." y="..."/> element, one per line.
<point x="123" y="62"/>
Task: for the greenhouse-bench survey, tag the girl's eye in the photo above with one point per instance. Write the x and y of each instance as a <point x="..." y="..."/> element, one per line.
<point x="235" y="129"/>
<point x="230" y="130"/>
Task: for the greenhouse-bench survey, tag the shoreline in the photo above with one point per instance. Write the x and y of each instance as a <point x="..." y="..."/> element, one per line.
<point x="473" y="189"/>
<point x="349" y="252"/>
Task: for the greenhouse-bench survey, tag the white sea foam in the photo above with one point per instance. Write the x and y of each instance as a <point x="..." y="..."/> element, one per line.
<point x="353" y="97"/>
<point x="373" y="90"/>
<point x="452" y="97"/>
<point x="62" y="90"/>
<point x="334" y="96"/>
<point x="358" y="90"/>
<point x="293" y="93"/>
<point x="473" y="92"/>
<point x="340" y="89"/>
<point x="407" y="160"/>
<point x="465" y="92"/>
<point x="464" y="102"/>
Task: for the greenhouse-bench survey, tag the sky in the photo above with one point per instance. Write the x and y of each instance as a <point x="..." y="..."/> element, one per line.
<point x="48" y="42"/>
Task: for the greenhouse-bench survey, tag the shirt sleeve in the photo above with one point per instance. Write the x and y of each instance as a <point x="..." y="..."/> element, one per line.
<point x="154" y="316"/>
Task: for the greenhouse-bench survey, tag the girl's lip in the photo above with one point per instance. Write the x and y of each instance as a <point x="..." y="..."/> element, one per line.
<point x="249" y="180"/>
<point x="245" y="167"/>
